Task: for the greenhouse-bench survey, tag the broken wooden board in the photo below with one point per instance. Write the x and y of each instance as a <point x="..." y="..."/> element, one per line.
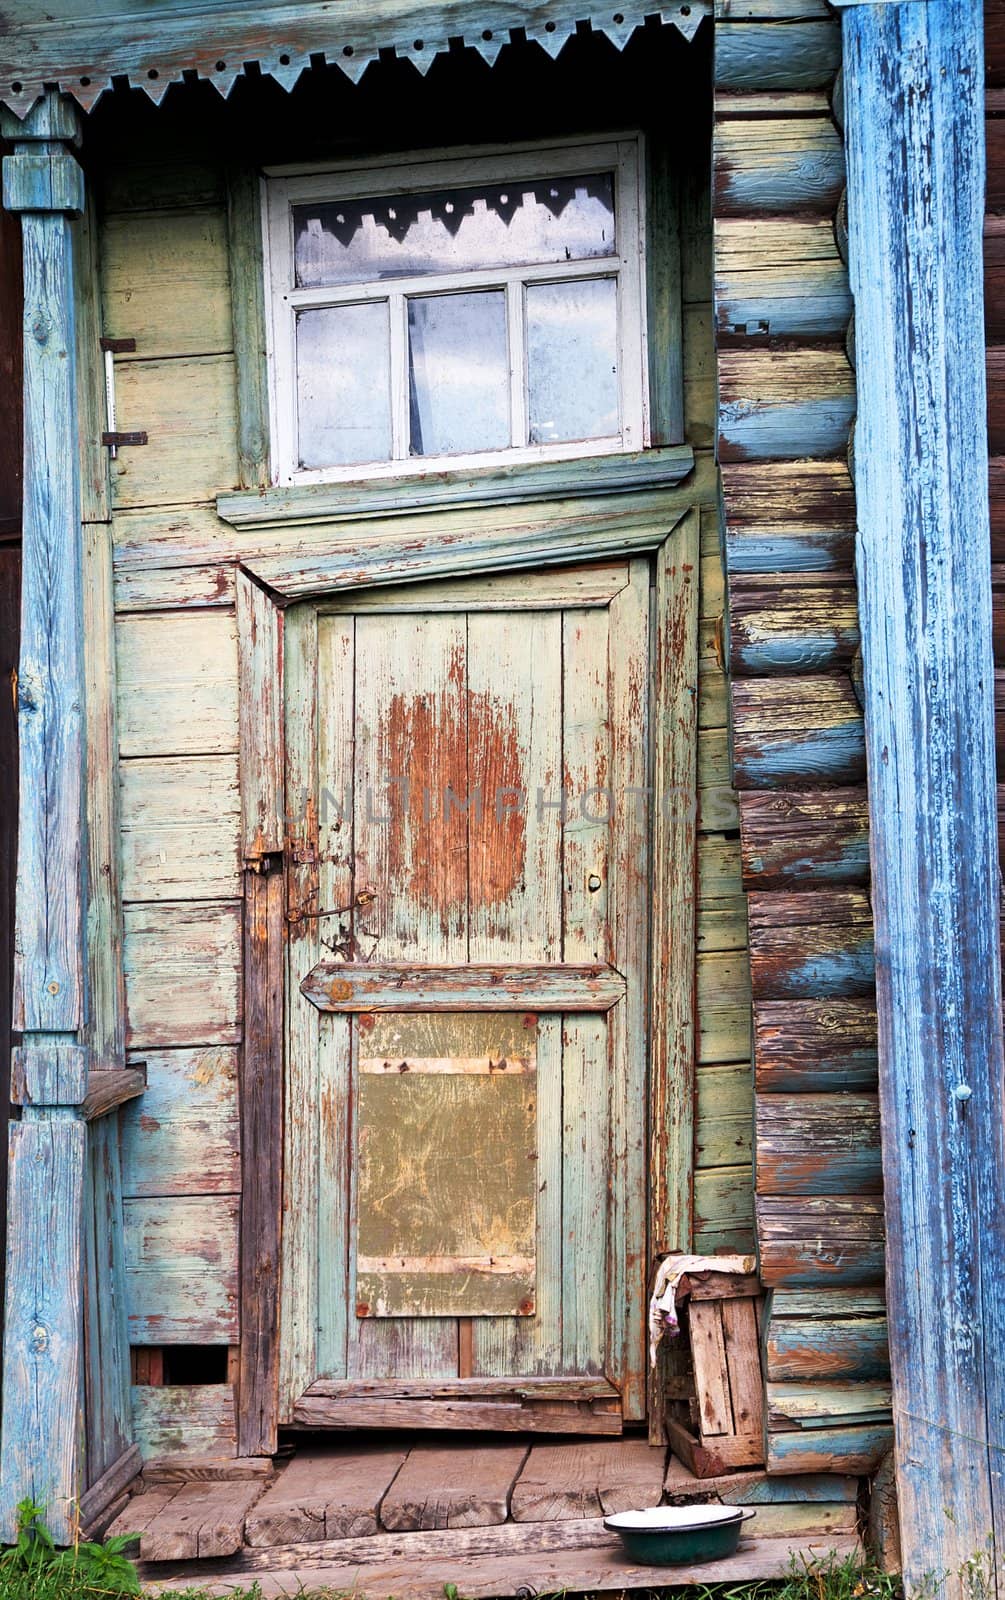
<point x="453" y="1486"/>
<point x="325" y="1493"/>
<point x="589" y="1479"/>
<point x="192" y="1522"/>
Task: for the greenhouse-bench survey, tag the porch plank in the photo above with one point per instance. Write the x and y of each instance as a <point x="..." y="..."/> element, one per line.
<point x="552" y="1558"/>
<point x="453" y="1486"/>
<point x="199" y="1520"/>
<point x="325" y="1494"/>
<point x="589" y="1479"/>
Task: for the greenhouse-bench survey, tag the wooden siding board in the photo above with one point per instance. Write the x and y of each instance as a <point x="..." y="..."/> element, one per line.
<point x="177" y="684"/>
<point x="182" y="1136"/>
<point x="183" y="974"/>
<point x="187" y="406"/>
<point x="181" y="1256"/>
<point x="180" y="828"/>
<point x="916" y="200"/>
<point x="165" y="283"/>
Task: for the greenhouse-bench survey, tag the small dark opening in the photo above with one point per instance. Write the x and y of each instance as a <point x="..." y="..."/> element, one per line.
<point x="180" y="1365"/>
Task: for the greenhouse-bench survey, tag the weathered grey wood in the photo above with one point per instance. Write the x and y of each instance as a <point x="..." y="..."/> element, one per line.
<point x="663" y="296"/>
<point x="857" y="1448"/>
<point x="452" y="1486"/>
<point x="913" y="78"/>
<point x="326" y="1493"/>
<point x="183" y="1136"/>
<point x="206" y="1469"/>
<point x="190" y="1422"/>
<point x="48" y="1074"/>
<point x="199" y="1521"/>
<point x="182" y="1269"/>
<point x="576" y="1481"/>
<point x="107" y="1489"/>
<point x="350" y="986"/>
<point x="558" y="1388"/>
<point x="511" y="1415"/>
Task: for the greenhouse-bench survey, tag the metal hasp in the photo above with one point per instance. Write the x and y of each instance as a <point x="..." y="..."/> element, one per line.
<point x="914" y="110"/>
<point x="40" y="1457"/>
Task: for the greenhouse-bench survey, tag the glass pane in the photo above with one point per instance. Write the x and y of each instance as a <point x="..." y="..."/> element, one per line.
<point x="454" y="230"/>
<point x="458" y="373"/>
<point x="572" y="360"/>
<point x="343" y="385"/>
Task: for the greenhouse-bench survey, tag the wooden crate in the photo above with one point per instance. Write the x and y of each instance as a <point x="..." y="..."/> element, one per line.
<point x="722" y="1425"/>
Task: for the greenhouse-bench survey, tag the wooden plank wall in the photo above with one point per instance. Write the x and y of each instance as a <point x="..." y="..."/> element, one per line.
<point x="165" y="283"/>
<point x="786" y="406"/>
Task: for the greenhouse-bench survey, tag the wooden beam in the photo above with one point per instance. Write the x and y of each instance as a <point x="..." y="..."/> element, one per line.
<point x="913" y="76"/>
<point x="41" y="1454"/>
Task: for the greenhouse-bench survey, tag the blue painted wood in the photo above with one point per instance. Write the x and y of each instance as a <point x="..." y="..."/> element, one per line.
<point x="776" y="55"/>
<point x="108" y="1406"/>
<point x="42" y="1333"/>
<point x="51" y="1074"/>
<point x="913" y="76"/>
<point x="49" y="978"/>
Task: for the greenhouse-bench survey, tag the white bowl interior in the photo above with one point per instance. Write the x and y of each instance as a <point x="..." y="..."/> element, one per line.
<point x="663" y="1519"/>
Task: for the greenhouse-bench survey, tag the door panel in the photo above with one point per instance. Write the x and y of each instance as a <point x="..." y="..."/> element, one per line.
<point x="472" y="785"/>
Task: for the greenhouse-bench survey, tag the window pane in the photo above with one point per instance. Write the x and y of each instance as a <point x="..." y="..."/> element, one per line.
<point x="343" y="385"/>
<point x="458" y="373"/>
<point x="572" y="360"/>
<point x="455" y="230"/>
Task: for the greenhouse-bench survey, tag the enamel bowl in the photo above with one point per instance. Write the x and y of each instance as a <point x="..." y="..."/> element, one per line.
<point x="667" y="1536"/>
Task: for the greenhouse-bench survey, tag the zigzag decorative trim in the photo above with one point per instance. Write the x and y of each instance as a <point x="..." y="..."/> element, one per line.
<point x="281" y="41"/>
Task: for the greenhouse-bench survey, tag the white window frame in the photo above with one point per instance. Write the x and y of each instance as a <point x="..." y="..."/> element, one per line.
<point x="285" y="187"/>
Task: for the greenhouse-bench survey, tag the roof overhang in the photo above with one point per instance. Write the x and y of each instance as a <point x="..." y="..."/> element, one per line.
<point x="80" y="46"/>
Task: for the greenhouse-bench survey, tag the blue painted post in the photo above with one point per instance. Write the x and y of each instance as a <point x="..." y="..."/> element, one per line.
<point x="913" y="75"/>
<point x="41" y="1426"/>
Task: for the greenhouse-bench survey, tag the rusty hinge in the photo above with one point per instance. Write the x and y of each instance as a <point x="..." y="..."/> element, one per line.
<point x="116" y="439"/>
<point x="365" y="897"/>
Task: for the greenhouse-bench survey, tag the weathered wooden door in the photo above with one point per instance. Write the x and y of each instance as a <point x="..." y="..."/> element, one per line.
<point x="468" y="790"/>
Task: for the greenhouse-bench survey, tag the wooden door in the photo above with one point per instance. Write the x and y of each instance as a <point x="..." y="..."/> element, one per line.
<point x="468" y="790"/>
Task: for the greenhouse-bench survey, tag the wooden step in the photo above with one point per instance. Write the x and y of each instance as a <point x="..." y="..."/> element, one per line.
<point x="588" y="1479"/>
<point x="326" y="1493"/>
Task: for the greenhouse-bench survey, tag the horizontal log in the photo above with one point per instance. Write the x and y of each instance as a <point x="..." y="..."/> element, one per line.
<point x="995" y="135"/>
<point x="789" y="517"/>
<point x="814" y="1045"/>
<point x="814" y="1144"/>
<point x="792" y="623"/>
<point x="995" y="361"/>
<point x="761" y="55"/>
<point x="854" y="1449"/>
<point x="773" y="104"/>
<point x="996" y="495"/>
<point x="346" y="986"/>
<point x="994" y="280"/>
<point x="828" y="1303"/>
<point x="811" y="946"/>
<point x="821" y="1240"/>
<point x="796" y="732"/>
<point x="771" y="10"/>
<point x="779" y="278"/>
<point x="784" y="405"/>
<point x="818" y="1348"/>
<point x="795" y="837"/>
<point x="803" y="1404"/>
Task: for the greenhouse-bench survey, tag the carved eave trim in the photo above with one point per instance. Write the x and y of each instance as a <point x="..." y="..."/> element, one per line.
<point x="82" y="57"/>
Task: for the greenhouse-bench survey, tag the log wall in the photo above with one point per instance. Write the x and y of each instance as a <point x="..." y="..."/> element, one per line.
<point x="786" y="408"/>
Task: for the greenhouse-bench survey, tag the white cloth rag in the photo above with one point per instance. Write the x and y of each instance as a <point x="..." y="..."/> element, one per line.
<point x="663" y="1302"/>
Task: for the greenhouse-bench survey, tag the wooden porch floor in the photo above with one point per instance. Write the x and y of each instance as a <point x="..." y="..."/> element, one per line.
<point x="403" y="1518"/>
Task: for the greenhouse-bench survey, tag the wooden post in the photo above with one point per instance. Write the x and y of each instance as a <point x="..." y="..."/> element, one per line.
<point x="913" y="84"/>
<point x="39" y="1456"/>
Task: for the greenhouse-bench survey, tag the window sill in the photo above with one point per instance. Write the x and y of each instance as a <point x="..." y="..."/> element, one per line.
<point x="512" y="484"/>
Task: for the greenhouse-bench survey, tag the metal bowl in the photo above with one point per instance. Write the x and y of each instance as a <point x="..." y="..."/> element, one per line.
<point x="671" y="1536"/>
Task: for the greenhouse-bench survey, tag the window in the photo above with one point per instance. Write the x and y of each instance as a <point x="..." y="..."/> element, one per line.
<point x="448" y="312"/>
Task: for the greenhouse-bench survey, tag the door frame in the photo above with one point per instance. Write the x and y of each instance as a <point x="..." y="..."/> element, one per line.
<point x="368" y="554"/>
